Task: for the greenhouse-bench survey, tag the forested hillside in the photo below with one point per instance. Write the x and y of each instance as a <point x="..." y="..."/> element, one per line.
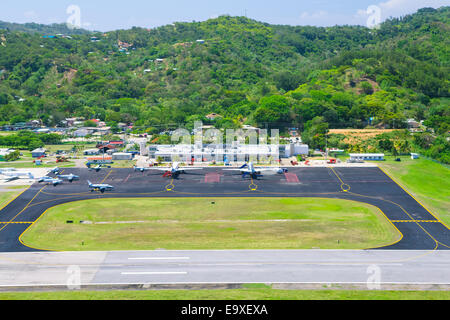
<point x="244" y="70"/>
<point x="44" y="29"/>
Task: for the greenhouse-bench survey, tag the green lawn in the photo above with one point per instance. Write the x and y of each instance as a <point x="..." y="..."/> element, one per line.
<point x="232" y="294"/>
<point x="196" y="223"/>
<point x="123" y="164"/>
<point x="426" y="180"/>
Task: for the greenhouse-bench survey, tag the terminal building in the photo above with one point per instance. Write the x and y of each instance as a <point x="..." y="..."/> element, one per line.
<point x="225" y="153"/>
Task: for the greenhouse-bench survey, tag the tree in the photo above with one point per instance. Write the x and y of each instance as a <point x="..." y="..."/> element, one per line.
<point x="4" y="99"/>
<point x="13" y="156"/>
<point x="315" y="133"/>
<point x="273" y="112"/>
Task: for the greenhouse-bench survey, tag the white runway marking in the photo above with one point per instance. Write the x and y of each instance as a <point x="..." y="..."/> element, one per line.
<point x="152" y="273"/>
<point x="160" y="258"/>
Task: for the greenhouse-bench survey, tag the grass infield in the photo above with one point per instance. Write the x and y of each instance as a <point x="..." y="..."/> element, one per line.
<point x="426" y="180"/>
<point x="207" y="223"/>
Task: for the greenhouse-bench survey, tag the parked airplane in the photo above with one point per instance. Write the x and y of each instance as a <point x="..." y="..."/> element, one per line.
<point x="14" y="175"/>
<point x="255" y="172"/>
<point x="99" y="167"/>
<point x="175" y="170"/>
<point x="69" y="177"/>
<point x="51" y="180"/>
<point x="100" y="187"/>
<point x="141" y="169"/>
<point x="55" y="170"/>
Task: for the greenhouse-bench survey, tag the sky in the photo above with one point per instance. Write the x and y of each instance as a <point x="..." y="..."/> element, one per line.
<point x="107" y="15"/>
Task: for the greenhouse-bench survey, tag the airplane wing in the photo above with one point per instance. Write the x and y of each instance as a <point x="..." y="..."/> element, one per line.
<point x="240" y="170"/>
<point x="161" y="169"/>
<point x="12" y="178"/>
<point x="191" y="168"/>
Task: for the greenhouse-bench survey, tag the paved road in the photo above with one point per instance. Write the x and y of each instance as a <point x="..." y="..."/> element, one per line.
<point x="227" y="266"/>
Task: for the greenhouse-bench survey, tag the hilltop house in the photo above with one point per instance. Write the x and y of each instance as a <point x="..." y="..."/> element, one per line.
<point x="213" y="116"/>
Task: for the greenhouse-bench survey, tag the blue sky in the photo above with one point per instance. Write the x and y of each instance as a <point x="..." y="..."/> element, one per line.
<point x="104" y="15"/>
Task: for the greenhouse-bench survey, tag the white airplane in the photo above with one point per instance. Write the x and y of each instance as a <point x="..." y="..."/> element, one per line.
<point x="69" y="177"/>
<point x="100" y="187"/>
<point x="51" y="180"/>
<point x="175" y="170"/>
<point x="15" y="175"/>
<point x="98" y="167"/>
<point x="55" y="170"/>
<point x="141" y="169"/>
<point x="255" y="172"/>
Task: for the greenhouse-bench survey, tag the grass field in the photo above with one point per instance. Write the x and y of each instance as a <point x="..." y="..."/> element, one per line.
<point x="232" y="223"/>
<point x="232" y="294"/>
<point x="123" y="164"/>
<point x="426" y="180"/>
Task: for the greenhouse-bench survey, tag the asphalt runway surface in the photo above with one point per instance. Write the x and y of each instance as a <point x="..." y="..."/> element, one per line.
<point x="419" y="228"/>
<point x="193" y="269"/>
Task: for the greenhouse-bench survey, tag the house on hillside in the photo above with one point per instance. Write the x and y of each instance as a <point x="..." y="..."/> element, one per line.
<point x="213" y="116"/>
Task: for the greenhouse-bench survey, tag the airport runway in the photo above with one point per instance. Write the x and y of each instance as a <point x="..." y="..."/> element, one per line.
<point x="419" y="228"/>
<point x="373" y="269"/>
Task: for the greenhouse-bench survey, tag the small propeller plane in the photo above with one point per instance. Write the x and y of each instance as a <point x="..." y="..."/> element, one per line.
<point x="98" y="167"/>
<point x="69" y="177"/>
<point x="50" y="180"/>
<point x="175" y="170"/>
<point x="15" y="175"/>
<point x="255" y="172"/>
<point x="55" y="170"/>
<point x="100" y="187"/>
<point x="141" y="169"/>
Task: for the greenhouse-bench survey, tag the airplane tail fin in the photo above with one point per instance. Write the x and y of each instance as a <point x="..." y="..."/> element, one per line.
<point x="89" y="183"/>
<point x="244" y="166"/>
<point x="30" y="175"/>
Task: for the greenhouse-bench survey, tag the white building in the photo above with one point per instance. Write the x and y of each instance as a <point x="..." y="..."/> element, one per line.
<point x="366" y="156"/>
<point x="122" y="156"/>
<point x="225" y="153"/>
<point x="290" y="150"/>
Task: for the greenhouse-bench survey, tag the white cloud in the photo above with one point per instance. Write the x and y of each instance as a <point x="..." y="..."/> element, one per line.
<point x="319" y="18"/>
<point x="31" y="15"/>
<point x="396" y="8"/>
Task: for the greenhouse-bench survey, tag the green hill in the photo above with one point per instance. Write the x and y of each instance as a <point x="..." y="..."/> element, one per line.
<point x="246" y="71"/>
<point x="56" y="28"/>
